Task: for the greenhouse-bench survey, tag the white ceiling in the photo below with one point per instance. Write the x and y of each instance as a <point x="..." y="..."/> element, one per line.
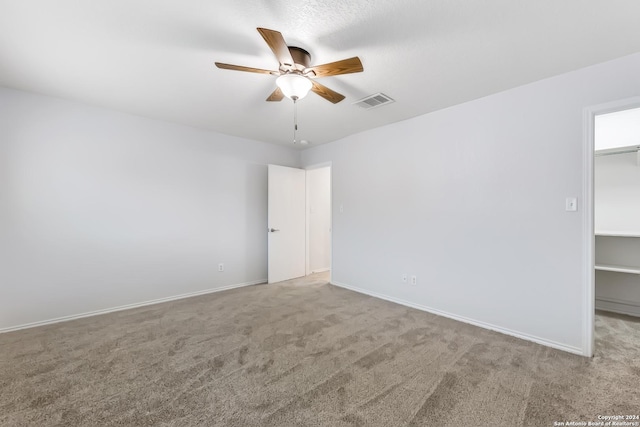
<point x="155" y="57"/>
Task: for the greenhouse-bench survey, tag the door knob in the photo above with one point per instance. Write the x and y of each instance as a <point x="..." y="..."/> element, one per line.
<point x="273" y="230"/>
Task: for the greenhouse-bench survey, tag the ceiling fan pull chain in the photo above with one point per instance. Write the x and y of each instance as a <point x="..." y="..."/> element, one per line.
<point x="295" y="119"/>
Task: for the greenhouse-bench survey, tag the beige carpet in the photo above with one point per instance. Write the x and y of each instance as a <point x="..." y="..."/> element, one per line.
<point x="305" y="353"/>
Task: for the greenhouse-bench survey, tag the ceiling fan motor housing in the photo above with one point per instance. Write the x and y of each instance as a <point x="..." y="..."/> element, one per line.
<point x="301" y="58"/>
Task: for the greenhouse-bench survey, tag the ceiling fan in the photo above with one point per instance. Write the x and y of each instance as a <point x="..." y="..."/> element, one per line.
<point x="295" y="73"/>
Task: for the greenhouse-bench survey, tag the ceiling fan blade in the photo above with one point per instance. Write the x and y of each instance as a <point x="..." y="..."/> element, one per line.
<point x="277" y="44"/>
<point x="326" y="93"/>
<point x="241" y="68"/>
<point x="276" y="95"/>
<point x="346" y="66"/>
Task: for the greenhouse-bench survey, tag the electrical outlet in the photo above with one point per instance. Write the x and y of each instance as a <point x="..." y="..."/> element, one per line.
<point x="404" y="278"/>
<point x="414" y="280"/>
<point x="221" y="267"/>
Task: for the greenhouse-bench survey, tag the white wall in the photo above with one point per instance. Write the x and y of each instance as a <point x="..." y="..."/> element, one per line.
<point x="471" y="200"/>
<point x="617" y="193"/>
<point x="100" y="209"/>
<point x="619" y="129"/>
<point x="319" y="219"/>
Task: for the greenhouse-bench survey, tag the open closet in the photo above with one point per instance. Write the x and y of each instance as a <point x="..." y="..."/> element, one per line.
<point x="617" y="211"/>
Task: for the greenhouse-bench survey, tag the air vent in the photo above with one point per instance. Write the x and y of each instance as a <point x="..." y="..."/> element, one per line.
<point x="373" y="101"/>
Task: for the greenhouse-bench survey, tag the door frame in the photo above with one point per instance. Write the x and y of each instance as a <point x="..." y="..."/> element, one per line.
<point x="588" y="236"/>
<point x="307" y="221"/>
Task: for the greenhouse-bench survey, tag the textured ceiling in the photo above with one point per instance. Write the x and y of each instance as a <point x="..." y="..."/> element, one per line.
<point x="155" y="58"/>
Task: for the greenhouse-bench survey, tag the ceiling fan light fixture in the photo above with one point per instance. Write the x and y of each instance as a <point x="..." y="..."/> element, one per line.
<point x="294" y="86"/>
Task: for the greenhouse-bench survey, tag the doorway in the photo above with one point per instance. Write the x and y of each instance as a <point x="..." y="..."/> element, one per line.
<point x="318" y="186"/>
<point x="298" y="222"/>
<point x="610" y="238"/>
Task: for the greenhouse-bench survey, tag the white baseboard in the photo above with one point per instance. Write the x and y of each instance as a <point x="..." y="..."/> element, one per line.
<point x="527" y="337"/>
<point x="632" y="308"/>
<point x="128" y="306"/>
<point x="320" y="270"/>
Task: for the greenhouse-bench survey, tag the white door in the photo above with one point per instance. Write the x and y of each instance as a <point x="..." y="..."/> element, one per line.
<point x="286" y="223"/>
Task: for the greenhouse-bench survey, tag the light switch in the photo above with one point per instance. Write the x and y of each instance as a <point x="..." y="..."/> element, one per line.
<point x="571" y="204"/>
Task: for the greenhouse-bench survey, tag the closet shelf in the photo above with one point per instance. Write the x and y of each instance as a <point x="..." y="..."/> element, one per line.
<point x="618" y="268"/>
<point x="617" y="233"/>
